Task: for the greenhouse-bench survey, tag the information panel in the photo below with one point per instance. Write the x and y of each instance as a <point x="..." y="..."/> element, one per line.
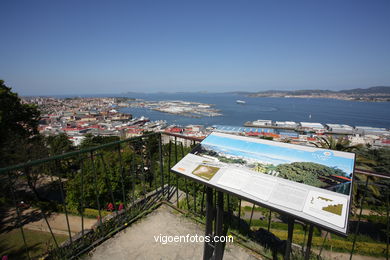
<point x="310" y="183"/>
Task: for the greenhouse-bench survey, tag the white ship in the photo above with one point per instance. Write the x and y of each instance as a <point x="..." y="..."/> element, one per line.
<point x="240" y="102"/>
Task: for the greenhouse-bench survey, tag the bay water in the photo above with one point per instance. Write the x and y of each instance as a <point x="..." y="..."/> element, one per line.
<point x="321" y="110"/>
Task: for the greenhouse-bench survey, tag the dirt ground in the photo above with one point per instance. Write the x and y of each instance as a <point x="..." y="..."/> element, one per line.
<point x="138" y="241"/>
<point x="32" y="219"/>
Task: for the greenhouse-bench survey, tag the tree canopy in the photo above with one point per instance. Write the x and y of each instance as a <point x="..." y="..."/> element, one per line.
<point x="307" y="172"/>
<point x="58" y="144"/>
<point x="91" y="140"/>
<point x="18" y="128"/>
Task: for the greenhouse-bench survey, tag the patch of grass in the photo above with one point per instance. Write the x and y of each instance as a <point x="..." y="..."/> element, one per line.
<point x="362" y="248"/>
<point x="257" y="209"/>
<point x="90" y="213"/>
<point x="11" y="243"/>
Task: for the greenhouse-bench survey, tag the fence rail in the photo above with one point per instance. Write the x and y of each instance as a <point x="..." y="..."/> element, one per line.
<point x="100" y="190"/>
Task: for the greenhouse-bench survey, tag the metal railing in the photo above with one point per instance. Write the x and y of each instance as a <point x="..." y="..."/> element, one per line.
<point x="117" y="183"/>
<point x="112" y="183"/>
<point x="369" y="225"/>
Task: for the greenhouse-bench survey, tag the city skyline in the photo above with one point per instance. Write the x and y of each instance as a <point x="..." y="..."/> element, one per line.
<point x="94" y="47"/>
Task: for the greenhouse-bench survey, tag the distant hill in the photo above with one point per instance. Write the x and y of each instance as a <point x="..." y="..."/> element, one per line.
<point x="372" y="90"/>
<point x="374" y="94"/>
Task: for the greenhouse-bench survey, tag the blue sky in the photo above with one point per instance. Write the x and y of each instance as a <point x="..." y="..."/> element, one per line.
<point x="92" y="47"/>
<point x="276" y="154"/>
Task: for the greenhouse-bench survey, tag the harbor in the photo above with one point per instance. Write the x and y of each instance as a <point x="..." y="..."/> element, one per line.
<point x="178" y="107"/>
<point x="77" y="117"/>
<point x="318" y="128"/>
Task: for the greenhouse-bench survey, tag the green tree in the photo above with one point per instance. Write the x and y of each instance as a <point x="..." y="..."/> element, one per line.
<point x="307" y="172"/>
<point x="91" y="140"/>
<point x="19" y="135"/>
<point x="58" y="144"/>
<point x="98" y="177"/>
<point x="20" y="140"/>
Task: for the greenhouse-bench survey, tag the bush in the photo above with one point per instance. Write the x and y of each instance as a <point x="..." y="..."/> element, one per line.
<point x="91" y="213"/>
<point x="88" y="212"/>
<point x="363" y="248"/>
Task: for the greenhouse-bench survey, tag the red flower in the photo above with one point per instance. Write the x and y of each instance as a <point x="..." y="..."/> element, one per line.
<point x="110" y="207"/>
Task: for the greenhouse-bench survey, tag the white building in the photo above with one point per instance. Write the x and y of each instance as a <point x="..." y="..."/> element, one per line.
<point x="366" y="130"/>
<point x="76" y="140"/>
<point x="289" y="124"/>
<point x="312" y="126"/>
<point x="340" y="129"/>
<point x="262" y="123"/>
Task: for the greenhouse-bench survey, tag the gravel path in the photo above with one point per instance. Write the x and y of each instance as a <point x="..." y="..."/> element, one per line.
<point x="138" y="241"/>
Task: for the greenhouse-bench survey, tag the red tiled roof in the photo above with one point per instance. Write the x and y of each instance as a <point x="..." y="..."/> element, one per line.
<point x="253" y="133"/>
<point x="174" y="130"/>
<point x="342" y="177"/>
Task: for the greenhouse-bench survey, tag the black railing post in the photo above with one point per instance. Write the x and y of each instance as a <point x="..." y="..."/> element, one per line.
<point x="177" y="176"/>
<point x="360" y="216"/>
<point x="169" y="167"/>
<point x="122" y="169"/>
<point x="176" y="155"/>
<point x="185" y="179"/>
<point x="133" y="177"/>
<point x="82" y="197"/>
<point x="57" y="163"/>
<point x="202" y="202"/>
<point x="143" y="177"/>
<point x="229" y="210"/>
<point x="151" y="168"/>
<point x="160" y="153"/>
<point x="186" y="189"/>
<point x="195" y="190"/>
<point x="96" y="186"/>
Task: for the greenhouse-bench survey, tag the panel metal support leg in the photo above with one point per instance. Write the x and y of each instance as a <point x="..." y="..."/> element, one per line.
<point x="309" y="240"/>
<point x="219" y="246"/>
<point x="208" y="248"/>
<point x="289" y="238"/>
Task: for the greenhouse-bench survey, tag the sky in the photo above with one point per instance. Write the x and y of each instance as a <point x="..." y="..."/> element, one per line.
<point x="94" y="47"/>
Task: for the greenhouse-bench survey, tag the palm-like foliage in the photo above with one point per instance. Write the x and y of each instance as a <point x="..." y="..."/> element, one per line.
<point x="362" y="161"/>
<point x="339" y="144"/>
